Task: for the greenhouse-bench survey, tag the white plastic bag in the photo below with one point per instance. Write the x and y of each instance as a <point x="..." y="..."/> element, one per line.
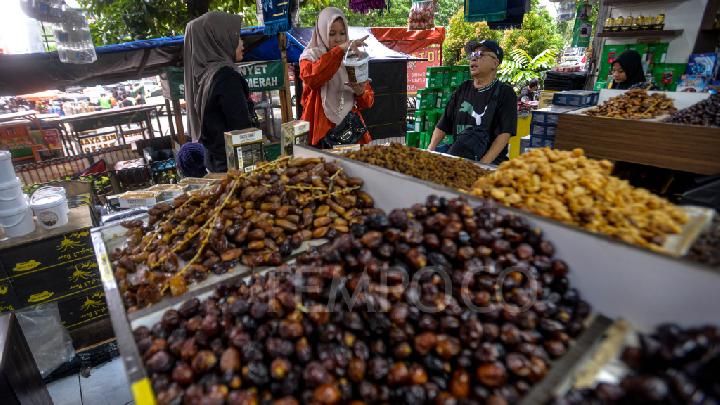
<point x="48" y="339"/>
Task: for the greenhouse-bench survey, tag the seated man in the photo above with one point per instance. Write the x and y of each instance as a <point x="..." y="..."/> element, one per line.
<point x="482" y="113"/>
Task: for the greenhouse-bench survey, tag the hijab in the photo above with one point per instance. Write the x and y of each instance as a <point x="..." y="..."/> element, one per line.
<point x="210" y="43"/>
<point x="334" y="90"/>
<point x="631" y="63"/>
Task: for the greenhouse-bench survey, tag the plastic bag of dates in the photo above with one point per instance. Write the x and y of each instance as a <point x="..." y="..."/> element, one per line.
<point x="253" y="219"/>
<point x="422" y="15"/>
<point x="439" y="303"/>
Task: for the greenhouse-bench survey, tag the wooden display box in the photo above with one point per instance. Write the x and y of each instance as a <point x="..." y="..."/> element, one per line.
<point x="687" y="148"/>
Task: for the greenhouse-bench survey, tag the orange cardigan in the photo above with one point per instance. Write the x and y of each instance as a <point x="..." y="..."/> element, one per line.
<point x="314" y="75"/>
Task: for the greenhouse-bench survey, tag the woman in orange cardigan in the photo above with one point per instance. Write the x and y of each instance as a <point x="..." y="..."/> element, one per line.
<point x="327" y="95"/>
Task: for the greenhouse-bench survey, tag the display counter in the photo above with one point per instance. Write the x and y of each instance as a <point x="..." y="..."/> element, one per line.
<point x="619" y="280"/>
<point x="687" y="148"/>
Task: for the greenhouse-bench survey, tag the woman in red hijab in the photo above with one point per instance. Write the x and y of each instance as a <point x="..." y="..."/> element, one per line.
<point x="328" y="96"/>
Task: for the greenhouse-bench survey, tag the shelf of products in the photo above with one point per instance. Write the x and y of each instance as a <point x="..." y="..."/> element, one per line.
<point x="266" y="336"/>
<point x="640" y="33"/>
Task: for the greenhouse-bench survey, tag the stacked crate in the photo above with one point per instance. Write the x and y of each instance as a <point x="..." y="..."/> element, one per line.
<point x="442" y="81"/>
<point x="543" y="126"/>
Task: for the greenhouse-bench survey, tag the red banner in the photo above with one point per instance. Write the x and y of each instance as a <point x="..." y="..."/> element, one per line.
<point x="416" y="69"/>
<point x="425" y="44"/>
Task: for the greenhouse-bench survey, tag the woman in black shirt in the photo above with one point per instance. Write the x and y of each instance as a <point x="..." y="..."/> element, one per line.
<point x="218" y="97"/>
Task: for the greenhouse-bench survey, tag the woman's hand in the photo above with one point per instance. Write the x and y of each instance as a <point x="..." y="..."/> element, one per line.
<point x="354" y="44"/>
<point x="357" y="88"/>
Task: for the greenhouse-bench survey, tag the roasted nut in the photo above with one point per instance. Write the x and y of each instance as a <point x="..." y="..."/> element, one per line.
<point x="546" y="182"/>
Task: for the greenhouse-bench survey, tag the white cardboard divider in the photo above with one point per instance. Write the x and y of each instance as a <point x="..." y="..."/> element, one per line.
<point x="618" y="279"/>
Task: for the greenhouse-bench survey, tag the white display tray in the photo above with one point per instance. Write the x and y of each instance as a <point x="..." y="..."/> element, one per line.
<point x="681" y="100"/>
<point x="618" y="279"/>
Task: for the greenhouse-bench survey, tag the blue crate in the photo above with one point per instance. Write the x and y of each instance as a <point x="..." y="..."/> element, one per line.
<point x="544" y="117"/>
<point x="540" y="142"/>
<point x="545" y="131"/>
<point x="576" y="98"/>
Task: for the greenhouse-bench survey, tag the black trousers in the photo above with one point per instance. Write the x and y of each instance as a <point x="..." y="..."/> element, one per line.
<point x="215" y="161"/>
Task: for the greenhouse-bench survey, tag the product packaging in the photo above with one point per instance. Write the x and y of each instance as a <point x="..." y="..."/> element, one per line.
<point x="244" y="149"/>
<point x="293" y="133"/>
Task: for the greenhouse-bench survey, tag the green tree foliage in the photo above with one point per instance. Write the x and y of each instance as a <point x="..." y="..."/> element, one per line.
<point x="114" y="21"/>
<point x="459" y="32"/>
<point x="519" y="67"/>
<point x="536" y="44"/>
<point x="395" y="16"/>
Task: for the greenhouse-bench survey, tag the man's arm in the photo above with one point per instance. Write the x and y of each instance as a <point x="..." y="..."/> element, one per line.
<point x="497" y="146"/>
<point x="437" y="136"/>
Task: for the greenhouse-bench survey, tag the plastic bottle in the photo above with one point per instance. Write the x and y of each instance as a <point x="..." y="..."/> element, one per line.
<point x="74" y="41"/>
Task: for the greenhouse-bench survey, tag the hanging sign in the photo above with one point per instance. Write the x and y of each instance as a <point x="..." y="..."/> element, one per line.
<point x="582" y="28"/>
<point x="264" y="75"/>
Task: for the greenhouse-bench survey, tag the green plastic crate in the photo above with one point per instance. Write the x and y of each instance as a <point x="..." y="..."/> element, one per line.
<point x="412" y="138"/>
<point x="419" y="120"/>
<point x="431" y="119"/>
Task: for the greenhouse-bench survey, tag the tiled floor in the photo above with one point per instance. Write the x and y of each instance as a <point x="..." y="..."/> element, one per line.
<point x="106" y="385"/>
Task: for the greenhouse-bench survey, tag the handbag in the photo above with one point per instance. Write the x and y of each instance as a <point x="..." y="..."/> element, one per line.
<point x="349" y="131"/>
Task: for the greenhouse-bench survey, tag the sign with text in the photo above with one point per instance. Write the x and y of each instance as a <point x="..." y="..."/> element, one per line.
<point x="416" y="69"/>
<point x="264" y="75"/>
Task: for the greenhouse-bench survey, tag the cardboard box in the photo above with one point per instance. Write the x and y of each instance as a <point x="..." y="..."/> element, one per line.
<point x="168" y="191"/>
<point x="293" y="133"/>
<point x="194" y="183"/>
<point x="81" y="309"/>
<point x="136" y="199"/>
<point x="244" y="149"/>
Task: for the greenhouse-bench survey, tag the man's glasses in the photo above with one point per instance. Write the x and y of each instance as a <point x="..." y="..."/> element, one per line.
<point x="479" y="54"/>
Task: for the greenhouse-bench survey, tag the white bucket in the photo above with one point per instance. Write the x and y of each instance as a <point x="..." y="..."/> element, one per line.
<point x="17" y="221"/>
<point x="357" y="66"/>
<point x="7" y="171"/>
<point x="11" y="195"/>
<point x="51" y="209"/>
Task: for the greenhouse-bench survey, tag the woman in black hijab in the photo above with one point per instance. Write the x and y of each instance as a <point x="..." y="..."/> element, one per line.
<point x="218" y="97"/>
<point x="627" y="71"/>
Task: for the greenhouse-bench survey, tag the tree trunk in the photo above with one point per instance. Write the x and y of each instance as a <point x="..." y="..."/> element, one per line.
<point x="196" y="8"/>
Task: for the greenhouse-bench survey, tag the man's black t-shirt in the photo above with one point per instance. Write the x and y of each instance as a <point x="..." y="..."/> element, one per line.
<point x="467" y="108"/>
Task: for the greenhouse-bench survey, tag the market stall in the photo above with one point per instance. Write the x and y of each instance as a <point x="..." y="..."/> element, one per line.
<point x="620" y="136"/>
<point x="225" y="321"/>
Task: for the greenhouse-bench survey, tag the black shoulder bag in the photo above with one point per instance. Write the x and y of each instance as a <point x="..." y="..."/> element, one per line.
<point x="349" y="131"/>
<point x="473" y="142"/>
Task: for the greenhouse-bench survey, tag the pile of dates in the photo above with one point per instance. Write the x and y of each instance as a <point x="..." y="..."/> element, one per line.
<point x="440" y="303"/>
<point x="459" y="174"/>
<point x="706" y="248"/>
<point x="671" y="366"/>
<point x="705" y="113"/>
<point x="252" y="219"/>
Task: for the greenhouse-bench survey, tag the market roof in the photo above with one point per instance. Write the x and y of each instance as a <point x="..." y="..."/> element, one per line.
<point x="29" y="73"/>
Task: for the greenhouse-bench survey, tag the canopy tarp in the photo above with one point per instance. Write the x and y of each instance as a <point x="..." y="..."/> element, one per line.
<point x="30" y="73"/>
<point x="408" y="41"/>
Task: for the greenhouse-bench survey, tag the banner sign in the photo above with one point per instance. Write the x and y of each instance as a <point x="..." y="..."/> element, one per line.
<point x="264" y="75"/>
<point x="416" y="69"/>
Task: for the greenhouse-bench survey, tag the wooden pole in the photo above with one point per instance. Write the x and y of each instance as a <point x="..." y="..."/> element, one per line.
<point x="285" y="104"/>
<point x="177" y="112"/>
